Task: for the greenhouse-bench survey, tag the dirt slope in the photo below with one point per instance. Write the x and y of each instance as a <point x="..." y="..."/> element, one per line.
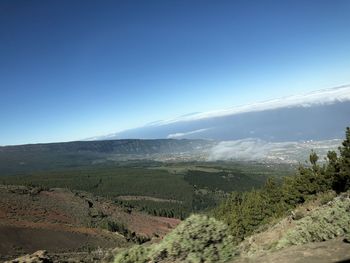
<point x="321" y="252"/>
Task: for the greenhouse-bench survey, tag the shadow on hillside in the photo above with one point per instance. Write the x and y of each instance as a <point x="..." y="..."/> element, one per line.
<point x="343" y="261"/>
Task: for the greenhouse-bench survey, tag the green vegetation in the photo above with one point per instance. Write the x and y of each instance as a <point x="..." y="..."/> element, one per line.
<point x="246" y="212"/>
<point x="166" y="209"/>
<point x="55" y="156"/>
<point x="204" y="239"/>
<point x="113" y="181"/>
<point x="114" y="226"/>
<point x="197" y="239"/>
<point x="232" y="180"/>
<point x="241" y="199"/>
<point x="322" y="224"/>
<point x="177" y="182"/>
<point x="110" y="181"/>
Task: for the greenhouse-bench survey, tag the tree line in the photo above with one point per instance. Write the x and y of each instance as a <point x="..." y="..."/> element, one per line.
<point x="246" y="212"/>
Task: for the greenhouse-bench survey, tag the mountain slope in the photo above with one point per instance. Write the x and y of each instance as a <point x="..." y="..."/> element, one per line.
<point x="127" y="146"/>
<point x="34" y="157"/>
<point x="204" y="239"/>
<point x="60" y="220"/>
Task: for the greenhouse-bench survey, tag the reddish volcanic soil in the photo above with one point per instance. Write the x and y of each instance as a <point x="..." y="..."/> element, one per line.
<point x="60" y="220"/>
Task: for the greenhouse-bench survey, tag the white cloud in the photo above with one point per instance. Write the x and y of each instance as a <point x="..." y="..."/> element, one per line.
<point x="183" y="134"/>
<point x="255" y="149"/>
<point x="325" y="96"/>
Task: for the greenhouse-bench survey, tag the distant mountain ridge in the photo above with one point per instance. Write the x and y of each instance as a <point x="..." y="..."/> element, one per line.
<point x="53" y="156"/>
<point x="126" y="146"/>
<point x="320" y="115"/>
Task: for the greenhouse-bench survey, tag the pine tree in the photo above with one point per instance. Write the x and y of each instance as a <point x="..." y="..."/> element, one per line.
<point x="344" y="174"/>
<point x="332" y="171"/>
<point x="272" y="193"/>
<point x="313" y="158"/>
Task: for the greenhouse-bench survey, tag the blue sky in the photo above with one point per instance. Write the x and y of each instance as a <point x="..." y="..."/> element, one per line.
<point x="76" y="69"/>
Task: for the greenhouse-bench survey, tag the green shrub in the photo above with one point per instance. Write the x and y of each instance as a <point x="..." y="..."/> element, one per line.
<point x="135" y="254"/>
<point x="248" y="212"/>
<point x="197" y="239"/>
<point x="323" y="224"/>
<point x="326" y="197"/>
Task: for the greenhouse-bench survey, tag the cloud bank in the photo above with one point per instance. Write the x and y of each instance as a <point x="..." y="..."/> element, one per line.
<point x="325" y="96"/>
<point x="294" y="118"/>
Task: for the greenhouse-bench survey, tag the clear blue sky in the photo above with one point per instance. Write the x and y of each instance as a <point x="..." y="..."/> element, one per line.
<point x="76" y="69"/>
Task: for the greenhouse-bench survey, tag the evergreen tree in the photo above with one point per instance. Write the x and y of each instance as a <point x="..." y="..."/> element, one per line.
<point x="313" y="158"/>
<point x="344" y="174"/>
<point x="272" y="193"/>
<point x="247" y="211"/>
<point x="332" y="171"/>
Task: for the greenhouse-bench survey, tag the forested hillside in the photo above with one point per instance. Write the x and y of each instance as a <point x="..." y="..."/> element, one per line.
<point x="201" y="239"/>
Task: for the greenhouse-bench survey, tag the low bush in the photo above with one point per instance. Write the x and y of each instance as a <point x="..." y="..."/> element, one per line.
<point x="197" y="239"/>
<point x="324" y="223"/>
